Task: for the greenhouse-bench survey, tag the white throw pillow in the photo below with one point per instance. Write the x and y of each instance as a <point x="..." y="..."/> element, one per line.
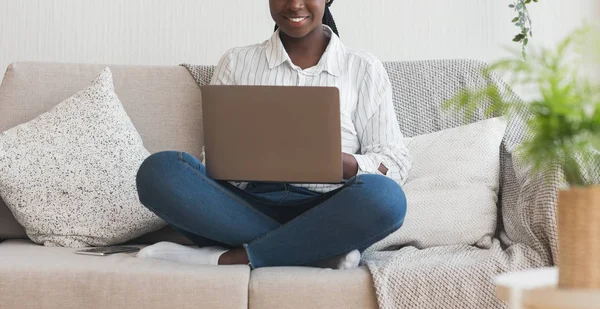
<point x="68" y="176"/>
<point x="452" y="188"/>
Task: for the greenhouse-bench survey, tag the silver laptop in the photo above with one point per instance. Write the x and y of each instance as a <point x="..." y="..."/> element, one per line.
<point x="272" y="133"/>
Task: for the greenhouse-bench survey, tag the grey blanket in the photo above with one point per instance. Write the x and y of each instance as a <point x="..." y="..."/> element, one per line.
<point x="459" y="276"/>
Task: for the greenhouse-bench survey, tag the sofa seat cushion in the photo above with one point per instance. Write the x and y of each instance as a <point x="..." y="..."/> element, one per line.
<point x="43" y="277"/>
<point x="303" y="287"/>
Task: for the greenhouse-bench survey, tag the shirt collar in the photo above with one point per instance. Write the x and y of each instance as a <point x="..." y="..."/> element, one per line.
<point x="330" y="61"/>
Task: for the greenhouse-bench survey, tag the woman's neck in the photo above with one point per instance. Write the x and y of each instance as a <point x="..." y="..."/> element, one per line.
<point x="306" y="52"/>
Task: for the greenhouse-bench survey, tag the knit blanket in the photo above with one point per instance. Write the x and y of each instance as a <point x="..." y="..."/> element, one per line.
<point x="460" y="276"/>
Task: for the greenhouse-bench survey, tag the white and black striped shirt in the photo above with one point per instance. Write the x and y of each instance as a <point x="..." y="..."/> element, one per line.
<point x="370" y="129"/>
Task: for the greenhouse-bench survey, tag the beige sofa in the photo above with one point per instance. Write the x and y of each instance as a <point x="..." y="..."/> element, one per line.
<point x="164" y="104"/>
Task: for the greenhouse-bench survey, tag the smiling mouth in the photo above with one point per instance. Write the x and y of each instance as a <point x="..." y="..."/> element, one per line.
<point x="296" y="19"/>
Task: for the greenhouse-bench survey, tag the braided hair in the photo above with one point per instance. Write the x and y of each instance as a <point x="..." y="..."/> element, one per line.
<point x="327" y="18"/>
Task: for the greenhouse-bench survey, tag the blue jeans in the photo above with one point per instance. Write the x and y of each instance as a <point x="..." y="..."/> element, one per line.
<point x="278" y="224"/>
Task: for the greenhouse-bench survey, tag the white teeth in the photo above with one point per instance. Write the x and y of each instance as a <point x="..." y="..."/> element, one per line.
<point x="297" y="20"/>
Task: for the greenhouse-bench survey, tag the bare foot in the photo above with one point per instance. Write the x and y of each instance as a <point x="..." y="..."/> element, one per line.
<point x="237" y="256"/>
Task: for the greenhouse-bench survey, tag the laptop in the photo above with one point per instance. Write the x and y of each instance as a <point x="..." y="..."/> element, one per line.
<point x="272" y="133"/>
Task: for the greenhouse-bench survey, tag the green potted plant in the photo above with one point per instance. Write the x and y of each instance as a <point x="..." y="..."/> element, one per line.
<point x="563" y="125"/>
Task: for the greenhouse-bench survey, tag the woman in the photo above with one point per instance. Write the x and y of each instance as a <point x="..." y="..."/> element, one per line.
<point x="264" y="224"/>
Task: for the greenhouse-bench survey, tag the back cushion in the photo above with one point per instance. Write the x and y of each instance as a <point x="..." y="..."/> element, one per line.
<point x="164" y="104"/>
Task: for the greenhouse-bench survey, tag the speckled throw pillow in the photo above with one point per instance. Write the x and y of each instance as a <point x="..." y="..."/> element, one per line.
<point x="68" y="176"/>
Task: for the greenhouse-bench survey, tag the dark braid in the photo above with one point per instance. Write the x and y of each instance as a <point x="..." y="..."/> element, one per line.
<point x="327" y="19"/>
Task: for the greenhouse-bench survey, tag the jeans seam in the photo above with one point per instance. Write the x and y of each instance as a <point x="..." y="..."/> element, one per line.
<point x="220" y="189"/>
<point x="303" y="202"/>
<point x="287" y="193"/>
<point x="256" y="200"/>
<point x="250" y="263"/>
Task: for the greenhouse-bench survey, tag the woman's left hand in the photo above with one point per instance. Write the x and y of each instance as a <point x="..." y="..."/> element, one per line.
<point x="350" y="165"/>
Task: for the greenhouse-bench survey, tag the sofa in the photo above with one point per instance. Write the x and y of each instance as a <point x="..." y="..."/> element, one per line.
<point x="164" y="103"/>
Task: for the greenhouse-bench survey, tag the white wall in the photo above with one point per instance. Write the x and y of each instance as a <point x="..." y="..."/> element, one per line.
<point x="169" y="32"/>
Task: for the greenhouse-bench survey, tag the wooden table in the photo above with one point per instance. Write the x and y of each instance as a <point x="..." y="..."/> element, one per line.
<point x="538" y="289"/>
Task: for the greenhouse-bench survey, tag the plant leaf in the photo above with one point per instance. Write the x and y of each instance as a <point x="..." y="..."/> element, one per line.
<point x="563" y="123"/>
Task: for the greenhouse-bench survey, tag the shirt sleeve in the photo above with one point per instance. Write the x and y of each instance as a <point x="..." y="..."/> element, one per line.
<point x="223" y="74"/>
<point x="378" y="130"/>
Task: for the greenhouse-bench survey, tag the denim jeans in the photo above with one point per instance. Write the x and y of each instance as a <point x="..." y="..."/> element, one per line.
<point x="278" y="224"/>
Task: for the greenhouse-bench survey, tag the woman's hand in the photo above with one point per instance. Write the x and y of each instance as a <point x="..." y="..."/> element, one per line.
<point x="351" y="166"/>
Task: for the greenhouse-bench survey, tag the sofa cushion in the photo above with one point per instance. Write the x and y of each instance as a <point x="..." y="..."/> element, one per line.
<point x="452" y="188"/>
<point x="303" y="287"/>
<point x="164" y="104"/>
<point x="69" y="174"/>
<point x="45" y="277"/>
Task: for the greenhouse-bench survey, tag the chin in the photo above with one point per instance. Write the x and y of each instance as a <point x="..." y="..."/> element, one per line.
<point x="296" y="32"/>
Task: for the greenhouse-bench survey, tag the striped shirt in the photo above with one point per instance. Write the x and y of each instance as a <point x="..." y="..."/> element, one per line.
<point x="370" y="130"/>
